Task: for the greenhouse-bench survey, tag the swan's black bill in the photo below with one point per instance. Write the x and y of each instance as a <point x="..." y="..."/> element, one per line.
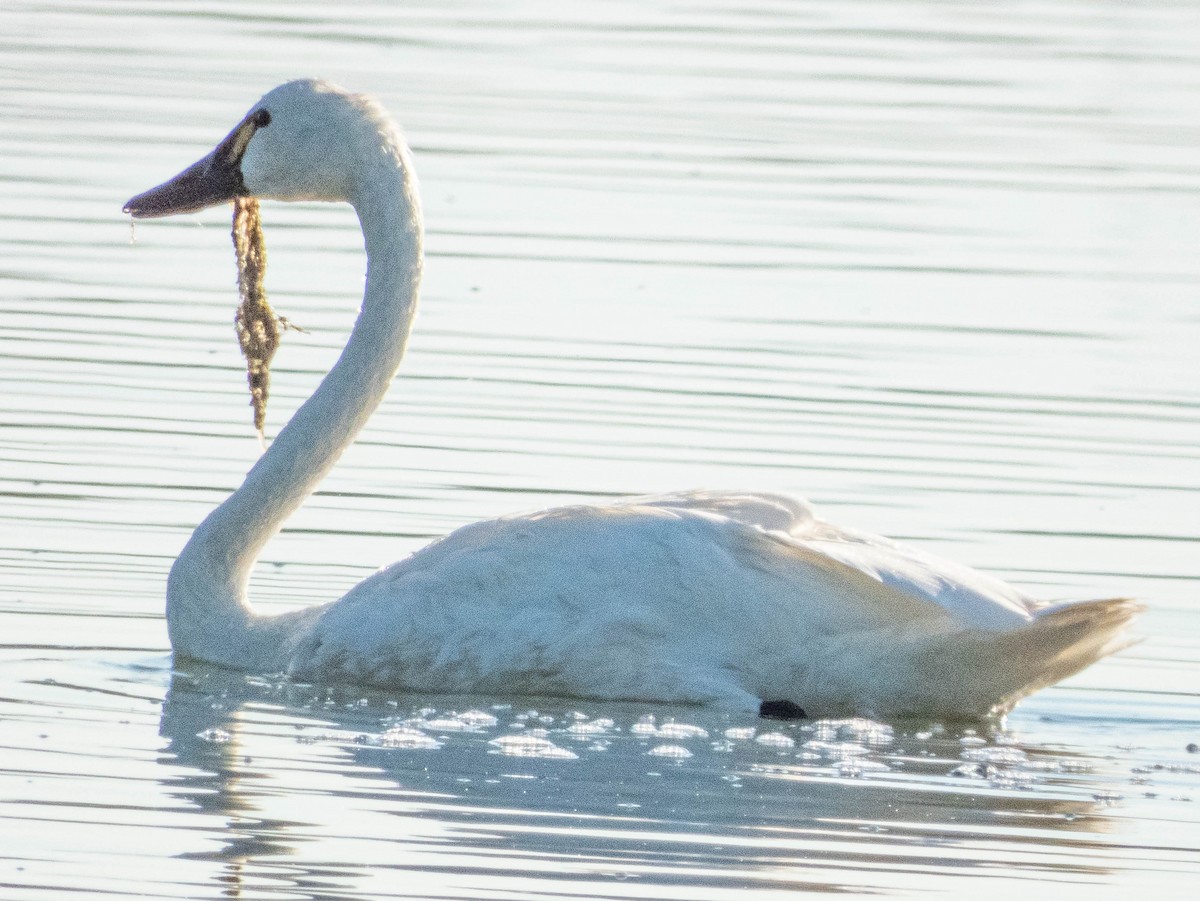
<point x="204" y="184"/>
<point x="215" y="179"/>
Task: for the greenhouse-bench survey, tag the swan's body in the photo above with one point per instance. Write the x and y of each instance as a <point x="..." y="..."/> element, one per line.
<point x="702" y="597"/>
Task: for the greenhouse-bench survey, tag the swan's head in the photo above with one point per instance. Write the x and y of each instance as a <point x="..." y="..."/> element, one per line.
<point x="305" y="140"/>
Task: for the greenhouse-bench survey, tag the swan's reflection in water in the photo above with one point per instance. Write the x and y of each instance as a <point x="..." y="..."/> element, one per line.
<point x="324" y="793"/>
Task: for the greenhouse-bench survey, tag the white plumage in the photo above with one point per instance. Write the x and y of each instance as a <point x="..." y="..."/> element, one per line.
<point x="735" y="599"/>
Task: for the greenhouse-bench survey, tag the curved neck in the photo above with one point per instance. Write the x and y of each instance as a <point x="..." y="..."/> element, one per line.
<point x="208" y="615"/>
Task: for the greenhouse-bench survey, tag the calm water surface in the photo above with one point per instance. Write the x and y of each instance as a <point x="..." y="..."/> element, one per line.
<point x="932" y="265"/>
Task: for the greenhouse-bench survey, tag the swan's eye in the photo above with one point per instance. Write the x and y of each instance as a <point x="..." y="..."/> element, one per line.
<point x="262" y="119"/>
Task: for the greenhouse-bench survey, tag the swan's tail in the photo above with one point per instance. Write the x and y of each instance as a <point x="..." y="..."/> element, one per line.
<point x="1064" y="638"/>
<point x="1061" y="640"/>
<point x="958" y="673"/>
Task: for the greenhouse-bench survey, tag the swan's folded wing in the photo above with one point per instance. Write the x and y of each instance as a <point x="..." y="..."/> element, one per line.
<point x="972" y="598"/>
<point x="685" y="556"/>
<point x="767" y="511"/>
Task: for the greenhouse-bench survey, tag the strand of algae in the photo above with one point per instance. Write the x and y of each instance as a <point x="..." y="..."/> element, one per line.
<point x="257" y="326"/>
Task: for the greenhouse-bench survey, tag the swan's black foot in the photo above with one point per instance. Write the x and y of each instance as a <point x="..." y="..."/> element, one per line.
<point x="781" y="710"/>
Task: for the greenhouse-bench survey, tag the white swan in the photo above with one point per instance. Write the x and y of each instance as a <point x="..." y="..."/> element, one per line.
<point x="744" y="600"/>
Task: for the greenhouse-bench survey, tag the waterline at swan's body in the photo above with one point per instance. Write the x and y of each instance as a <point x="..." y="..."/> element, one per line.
<point x="709" y="597"/>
